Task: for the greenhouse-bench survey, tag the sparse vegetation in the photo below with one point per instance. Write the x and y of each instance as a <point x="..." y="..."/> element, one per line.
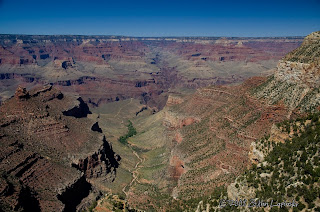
<point x="308" y="52"/>
<point x="290" y="172"/>
<point x="92" y="206"/>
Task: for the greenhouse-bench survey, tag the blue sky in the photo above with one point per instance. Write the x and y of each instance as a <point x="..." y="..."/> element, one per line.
<point x="160" y="18"/>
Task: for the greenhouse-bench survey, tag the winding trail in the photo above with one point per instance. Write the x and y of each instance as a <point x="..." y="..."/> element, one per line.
<point x="134" y="172"/>
<point x="136" y="168"/>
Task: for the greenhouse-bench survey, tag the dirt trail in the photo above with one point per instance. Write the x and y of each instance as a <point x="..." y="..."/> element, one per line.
<point x="123" y="107"/>
<point x="134" y="172"/>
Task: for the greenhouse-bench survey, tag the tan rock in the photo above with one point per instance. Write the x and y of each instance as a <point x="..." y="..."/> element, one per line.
<point x="21" y="93"/>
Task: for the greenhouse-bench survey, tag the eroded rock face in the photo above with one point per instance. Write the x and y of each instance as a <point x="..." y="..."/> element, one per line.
<point x="297" y="78"/>
<point x="212" y="132"/>
<point x="174" y="100"/>
<point x="298" y="73"/>
<point x="21" y="93"/>
<point x="38" y="147"/>
<point x="173" y="122"/>
<point x="241" y="191"/>
<point x="255" y="155"/>
<point x="109" y="68"/>
<point x="100" y="163"/>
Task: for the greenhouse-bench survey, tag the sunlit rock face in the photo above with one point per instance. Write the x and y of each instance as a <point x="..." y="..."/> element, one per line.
<point x="46" y="157"/>
<point x="297" y="78"/>
<point x="104" y="69"/>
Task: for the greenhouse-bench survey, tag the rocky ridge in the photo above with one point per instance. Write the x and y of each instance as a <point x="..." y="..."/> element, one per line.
<point x="296" y="84"/>
<point x="285" y="163"/>
<point x="48" y="157"/>
<point x="296" y="80"/>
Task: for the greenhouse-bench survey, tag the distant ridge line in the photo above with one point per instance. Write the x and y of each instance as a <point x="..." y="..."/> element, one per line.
<point x="45" y="37"/>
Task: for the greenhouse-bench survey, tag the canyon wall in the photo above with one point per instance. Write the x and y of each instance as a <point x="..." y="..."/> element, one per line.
<point x="296" y="80"/>
<point x="110" y="68"/>
<point x="48" y="156"/>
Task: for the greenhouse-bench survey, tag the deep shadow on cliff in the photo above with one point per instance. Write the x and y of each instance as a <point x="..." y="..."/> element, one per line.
<point x="44" y="146"/>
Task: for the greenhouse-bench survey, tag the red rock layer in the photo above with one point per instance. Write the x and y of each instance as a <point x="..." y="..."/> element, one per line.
<point x="214" y="149"/>
<point x="42" y="151"/>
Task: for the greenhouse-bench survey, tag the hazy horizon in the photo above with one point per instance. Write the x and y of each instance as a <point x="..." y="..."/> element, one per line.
<point x="169" y="36"/>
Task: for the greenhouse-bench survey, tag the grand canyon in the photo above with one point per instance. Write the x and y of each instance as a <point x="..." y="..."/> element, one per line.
<point x="116" y="123"/>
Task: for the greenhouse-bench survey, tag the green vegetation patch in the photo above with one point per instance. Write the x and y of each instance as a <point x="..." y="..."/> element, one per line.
<point x="131" y="132"/>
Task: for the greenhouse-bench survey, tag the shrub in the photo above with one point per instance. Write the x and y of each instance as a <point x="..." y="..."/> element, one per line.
<point x="131" y="132"/>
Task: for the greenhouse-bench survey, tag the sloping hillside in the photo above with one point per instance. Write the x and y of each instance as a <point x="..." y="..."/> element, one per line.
<point x="286" y="168"/>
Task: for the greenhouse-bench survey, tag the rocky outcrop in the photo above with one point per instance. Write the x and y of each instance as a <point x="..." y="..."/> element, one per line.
<point x="308" y="52"/>
<point x="80" y="110"/>
<point x="173" y="122"/>
<point x="296" y="80"/>
<point x="255" y="155"/>
<point x="303" y="74"/>
<point x="100" y="163"/>
<point x="21" y="93"/>
<point x="174" y="100"/>
<point x="240" y="190"/>
<point x="39" y="147"/>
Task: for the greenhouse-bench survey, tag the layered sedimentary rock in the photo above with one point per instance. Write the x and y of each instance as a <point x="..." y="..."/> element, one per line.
<point x="214" y="134"/>
<point x="43" y="152"/>
<point x="295" y="84"/>
<point x="297" y="78"/>
<point x="298" y="73"/>
<point x="209" y="133"/>
<point x="144" y="68"/>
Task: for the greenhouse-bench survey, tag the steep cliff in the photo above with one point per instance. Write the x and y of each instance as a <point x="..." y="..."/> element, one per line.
<point x="296" y="80"/>
<point x="279" y="157"/>
<point x="235" y="142"/>
<point x="285" y="163"/>
<point x="46" y="157"/>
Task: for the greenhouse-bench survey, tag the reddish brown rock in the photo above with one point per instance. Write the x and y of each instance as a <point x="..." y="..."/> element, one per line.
<point x="129" y="67"/>
<point x="215" y="147"/>
<point x="45" y="156"/>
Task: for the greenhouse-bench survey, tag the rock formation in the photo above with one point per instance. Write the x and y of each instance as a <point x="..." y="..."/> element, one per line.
<point x="297" y="78"/>
<point x="127" y="67"/>
<point x="295" y="83"/>
<point x="46" y="157"/>
<point x="49" y="141"/>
